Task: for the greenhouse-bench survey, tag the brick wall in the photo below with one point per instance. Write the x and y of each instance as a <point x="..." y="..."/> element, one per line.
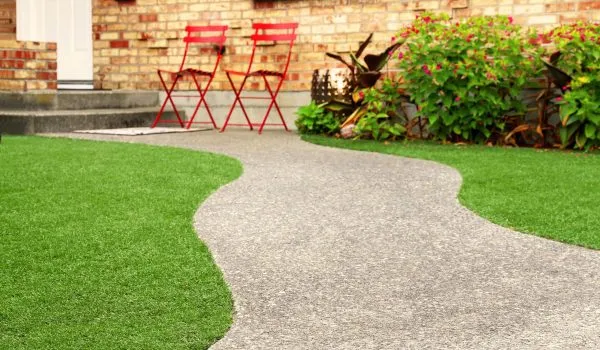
<point x="26" y="66"/>
<point x="7" y="19"/>
<point x="134" y="37"/>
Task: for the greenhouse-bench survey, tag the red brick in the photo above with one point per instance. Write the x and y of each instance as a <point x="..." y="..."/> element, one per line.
<point x="52" y="85"/>
<point x="14" y="64"/>
<point x="7" y="74"/>
<point x="589" y="5"/>
<point x="42" y="76"/>
<point x="52" y="65"/>
<point x="125" y="2"/>
<point x="150" y="17"/>
<point x="264" y="4"/>
<point x="51" y="46"/>
<point x="45" y="75"/>
<point x="21" y="54"/>
<point x="99" y="28"/>
<point x="14" y="54"/>
<point x="119" y="44"/>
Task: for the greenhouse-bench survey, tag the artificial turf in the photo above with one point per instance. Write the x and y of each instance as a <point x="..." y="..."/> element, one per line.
<point x="549" y="193"/>
<point x="98" y="250"/>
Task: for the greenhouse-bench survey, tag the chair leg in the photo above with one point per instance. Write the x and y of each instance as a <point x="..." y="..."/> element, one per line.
<point x="236" y="100"/>
<point x="202" y="93"/>
<point x="273" y="103"/>
<point x="167" y="98"/>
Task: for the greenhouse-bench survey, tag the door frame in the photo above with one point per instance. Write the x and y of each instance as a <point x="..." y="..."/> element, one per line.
<point x="37" y="21"/>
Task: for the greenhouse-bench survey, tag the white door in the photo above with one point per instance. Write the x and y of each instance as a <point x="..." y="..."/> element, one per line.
<point x="69" y="24"/>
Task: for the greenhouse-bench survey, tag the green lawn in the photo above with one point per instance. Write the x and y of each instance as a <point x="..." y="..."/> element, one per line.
<point x="549" y="193"/>
<point x="98" y="250"/>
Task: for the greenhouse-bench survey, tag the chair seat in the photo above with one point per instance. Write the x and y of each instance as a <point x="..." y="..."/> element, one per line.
<point x="257" y="73"/>
<point x="195" y="71"/>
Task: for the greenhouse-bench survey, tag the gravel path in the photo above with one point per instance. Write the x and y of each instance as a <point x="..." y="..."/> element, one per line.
<point x="333" y="249"/>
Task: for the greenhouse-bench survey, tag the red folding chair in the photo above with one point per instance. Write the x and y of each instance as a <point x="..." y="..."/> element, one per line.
<point x="213" y="35"/>
<point x="288" y="36"/>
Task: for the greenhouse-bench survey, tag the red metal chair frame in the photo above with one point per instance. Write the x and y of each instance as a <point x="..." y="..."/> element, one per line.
<point x="290" y="37"/>
<point x="194" y="73"/>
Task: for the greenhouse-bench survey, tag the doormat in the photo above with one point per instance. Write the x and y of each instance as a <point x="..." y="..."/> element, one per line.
<point x="139" y="131"/>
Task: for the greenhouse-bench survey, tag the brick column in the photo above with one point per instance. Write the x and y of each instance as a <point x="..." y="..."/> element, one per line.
<point x="26" y="66"/>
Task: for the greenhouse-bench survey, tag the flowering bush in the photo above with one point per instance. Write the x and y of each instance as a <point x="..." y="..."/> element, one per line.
<point x="579" y="57"/>
<point x="466" y="76"/>
<point x="384" y="118"/>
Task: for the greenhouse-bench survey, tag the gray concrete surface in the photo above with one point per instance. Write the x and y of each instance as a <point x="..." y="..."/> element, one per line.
<point x="63" y="111"/>
<point x="76" y="100"/>
<point x="30" y="122"/>
<point x="333" y="249"/>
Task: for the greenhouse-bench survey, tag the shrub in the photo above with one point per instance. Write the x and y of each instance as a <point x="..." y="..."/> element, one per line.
<point x="579" y="57"/>
<point x="314" y="119"/>
<point x="384" y="118"/>
<point x="465" y="77"/>
<point x="364" y="75"/>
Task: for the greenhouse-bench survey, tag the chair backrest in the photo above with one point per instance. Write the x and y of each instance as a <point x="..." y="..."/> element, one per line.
<point x="278" y="32"/>
<point x="214" y="34"/>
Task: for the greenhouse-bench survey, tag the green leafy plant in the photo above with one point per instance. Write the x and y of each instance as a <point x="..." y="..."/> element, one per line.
<point x="383" y="118"/>
<point x="364" y="75"/>
<point x="578" y="66"/>
<point x="466" y="77"/>
<point x="314" y="119"/>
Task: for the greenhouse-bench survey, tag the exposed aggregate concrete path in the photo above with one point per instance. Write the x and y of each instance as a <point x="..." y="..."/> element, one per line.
<point x="333" y="249"/>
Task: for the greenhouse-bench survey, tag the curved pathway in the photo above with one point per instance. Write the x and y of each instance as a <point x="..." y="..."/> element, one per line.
<point x="333" y="249"/>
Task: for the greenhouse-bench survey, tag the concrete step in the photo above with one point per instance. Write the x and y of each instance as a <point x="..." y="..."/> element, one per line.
<point x="32" y="122"/>
<point x="77" y="100"/>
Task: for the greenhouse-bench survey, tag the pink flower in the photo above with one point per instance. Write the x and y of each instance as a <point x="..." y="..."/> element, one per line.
<point x="457" y="99"/>
<point x="393" y="39"/>
<point x="510" y="20"/>
<point x="400" y="55"/>
<point x="559" y="98"/>
<point x="439" y="66"/>
<point x="361" y="95"/>
<point x="426" y="70"/>
<point x="427" y="19"/>
<point x="582" y="37"/>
